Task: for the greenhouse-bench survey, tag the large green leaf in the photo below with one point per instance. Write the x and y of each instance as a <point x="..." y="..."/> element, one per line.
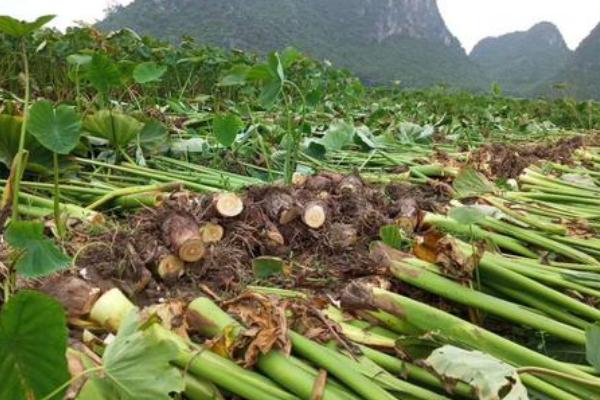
<point x="119" y="129"/>
<point x="33" y="344"/>
<point x="226" y="127"/>
<point x="38" y="255"/>
<point x="14" y="27"/>
<point x="57" y="129"/>
<point x="592" y="345"/>
<point x="10" y="131"/>
<point x="490" y="378"/>
<point x="135" y="366"/>
<point x="235" y="76"/>
<point x="153" y="135"/>
<point x="147" y="72"/>
<point x="102" y="73"/>
<point x="339" y="135"/>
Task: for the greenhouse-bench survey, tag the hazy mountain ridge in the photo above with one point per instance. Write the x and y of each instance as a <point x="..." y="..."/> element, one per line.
<point x="521" y="61"/>
<point x="379" y="40"/>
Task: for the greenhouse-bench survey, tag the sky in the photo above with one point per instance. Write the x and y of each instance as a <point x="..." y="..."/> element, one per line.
<point x="469" y="20"/>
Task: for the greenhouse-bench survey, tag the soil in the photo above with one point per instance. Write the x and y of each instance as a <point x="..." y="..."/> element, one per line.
<point x="320" y="260"/>
<point x="508" y="161"/>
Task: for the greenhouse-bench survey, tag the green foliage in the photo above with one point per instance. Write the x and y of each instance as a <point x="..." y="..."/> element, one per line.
<point x="10" y="131"/>
<point x="226" y="128"/>
<point x="14" y="27"/>
<point x="37" y="255"/>
<point x="265" y="267"/>
<point x="148" y="72"/>
<point x="338" y="136"/>
<point x="57" y="129"/>
<point x="117" y="128"/>
<point x="135" y="366"/>
<point x="33" y="344"/>
<point x="592" y="345"/>
<point x="466" y="215"/>
<point x="102" y="73"/>
<point x="394" y="236"/>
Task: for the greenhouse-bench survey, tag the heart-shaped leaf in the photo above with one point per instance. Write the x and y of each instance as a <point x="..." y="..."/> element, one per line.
<point x="14" y="27"/>
<point x="38" y="255"/>
<point x="135" y="366"/>
<point x="339" y="135"/>
<point x="226" y="127"/>
<point x="33" y="344"/>
<point x="102" y="73"/>
<point x="148" y="72"/>
<point x="10" y="132"/>
<point x="57" y="129"/>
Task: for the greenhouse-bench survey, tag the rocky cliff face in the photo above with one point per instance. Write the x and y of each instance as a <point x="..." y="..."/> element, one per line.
<point x="580" y="77"/>
<point x="521" y="61"/>
<point x="380" y="40"/>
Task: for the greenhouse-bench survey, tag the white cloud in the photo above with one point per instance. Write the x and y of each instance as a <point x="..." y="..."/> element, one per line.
<point x="67" y="11"/>
<point x="472" y="20"/>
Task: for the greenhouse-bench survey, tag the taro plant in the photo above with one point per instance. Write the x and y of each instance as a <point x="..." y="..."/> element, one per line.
<point x="21" y="30"/>
<point x="58" y="130"/>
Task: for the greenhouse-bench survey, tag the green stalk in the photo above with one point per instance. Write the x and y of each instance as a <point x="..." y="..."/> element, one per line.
<point x="112" y="308"/>
<point x="60" y="228"/>
<point x="539" y="240"/>
<point x="20" y="168"/>
<point x="476" y="233"/>
<point x="275" y="364"/>
<point x="158" y="187"/>
<point x="416" y="273"/>
<point x="429" y="319"/>
<point x="529" y="220"/>
<point x="196" y="389"/>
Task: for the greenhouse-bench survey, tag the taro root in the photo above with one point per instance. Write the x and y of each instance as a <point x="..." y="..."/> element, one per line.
<point x="170" y="268"/>
<point x="228" y="204"/>
<point x="314" y="214"/>
<point x="211" y="233"/>
<point x="281" y="207"/>
<point x="182" y="234"/>
<point x="350" y="184"/>
<point x="342" y="236"/>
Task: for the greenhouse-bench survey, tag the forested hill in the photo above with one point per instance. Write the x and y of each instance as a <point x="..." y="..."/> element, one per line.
<point x="521" y="61"/>
<point x="379" y="40"/>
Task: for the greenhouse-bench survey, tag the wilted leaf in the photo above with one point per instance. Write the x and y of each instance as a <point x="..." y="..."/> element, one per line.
<point x="193" y="145"/>
<point x="135" y="366"/>
<point x="226" y="128"/>
<point x="153" y="135"/>
<point x="579" y="180"/>
<point x="265" y="267"/>
<point x="592" y="345"/>
<point x="466" y="215"/>
<point x="57" y="129"/>
<point x="338" y="136"/>
<point x="148" y="72"/>
<point x="14" y="27"/>
<point x="33" y="344"/>
<point x="470" y="183"/>
<point x="488" y="376"/>
<point x="39" y="257"/>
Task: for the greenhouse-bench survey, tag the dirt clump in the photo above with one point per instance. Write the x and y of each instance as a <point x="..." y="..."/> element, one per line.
<point x="508" y="161"/>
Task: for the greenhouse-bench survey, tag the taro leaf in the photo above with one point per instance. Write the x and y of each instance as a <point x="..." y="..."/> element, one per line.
<point x="135" y="366"/>
<point x="226" y="127"/>
<point x="39" y="256"/>
<point x="393" y="236"/>
<point x="270" y="93"/>
<point x="265" y="267"/>
<point x="14" y="27"/>
<point x="57" y="129"/>
<point x="119" y="129"/>
<point x="33" y="344"/>
<point x="470" y="183"/>
<point x="235" y="76"/>
<point x="466" y="215"/>
<point x="79" y="59"/>
<point x="102" y="73"/>
<point x="276" y="66"/>
<point x="487" y="375"/>
<point x="338" y="135"/>
<point x="289" y="56"/>
<point x="592" y="345"/>
<point x="10" y="131"/>
<point x="147" y="72"/>
<point x="364" y="137"/>
<point x="193" y="145"/>
<point x="153" y="135"/>
<point x="314" y="149"/>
